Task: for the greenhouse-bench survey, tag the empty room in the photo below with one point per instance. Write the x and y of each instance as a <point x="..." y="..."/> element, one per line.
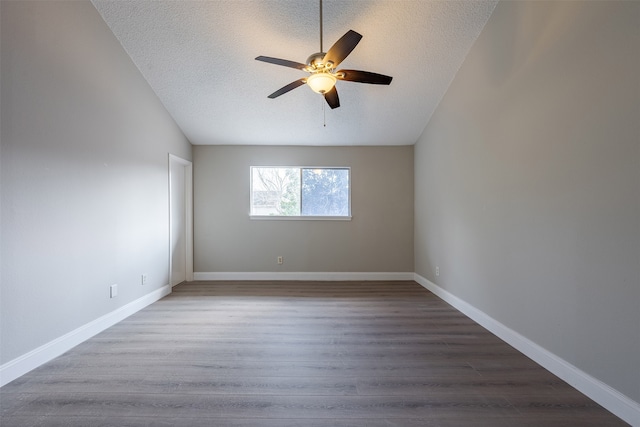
<point x="319" y="213"/>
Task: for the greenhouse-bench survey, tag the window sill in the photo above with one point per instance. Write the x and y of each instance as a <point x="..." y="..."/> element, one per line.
<point x="299" y="218"/>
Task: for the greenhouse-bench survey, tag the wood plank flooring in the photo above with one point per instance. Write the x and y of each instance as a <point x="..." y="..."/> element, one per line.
<point x="284" y="354"/>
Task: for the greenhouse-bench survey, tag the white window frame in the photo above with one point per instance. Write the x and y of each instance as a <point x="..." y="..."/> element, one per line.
<point x="298" y="217"/>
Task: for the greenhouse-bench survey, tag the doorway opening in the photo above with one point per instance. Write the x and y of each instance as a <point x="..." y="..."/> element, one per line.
<point x="180" y="220"/>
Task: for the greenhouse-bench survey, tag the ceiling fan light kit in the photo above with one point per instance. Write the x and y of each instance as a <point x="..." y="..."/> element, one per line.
<point x="321" y="66"/>
<point x="321" y="82"/>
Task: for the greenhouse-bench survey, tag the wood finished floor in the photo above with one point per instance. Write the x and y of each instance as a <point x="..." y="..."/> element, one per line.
<point x="284" y="354"/>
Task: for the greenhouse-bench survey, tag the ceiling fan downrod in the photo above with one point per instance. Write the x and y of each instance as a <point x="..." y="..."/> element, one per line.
<point x="315" y="62"/>
<point x="321" y="50"/>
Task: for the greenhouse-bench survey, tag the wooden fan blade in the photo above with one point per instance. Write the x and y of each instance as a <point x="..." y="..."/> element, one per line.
<point x="283" y="62"/>
<point x="332" y="98"/>
<point x="342" y="48"/>
<point x="363" y="77"/>
<point x="287" y="88"/>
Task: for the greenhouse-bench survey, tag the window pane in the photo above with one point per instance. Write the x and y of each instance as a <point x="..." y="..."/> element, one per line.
<point x="275" y="191"/>
<point x="325" y="192"/>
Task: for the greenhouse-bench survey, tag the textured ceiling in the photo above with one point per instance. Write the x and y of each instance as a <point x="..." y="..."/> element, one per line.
<point x="198" y="56"/>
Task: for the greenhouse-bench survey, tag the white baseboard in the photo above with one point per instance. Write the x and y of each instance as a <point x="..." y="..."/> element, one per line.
<point x="606" y="396"/>
<point x="320" y="276"/>
<point x="31" y="360"/>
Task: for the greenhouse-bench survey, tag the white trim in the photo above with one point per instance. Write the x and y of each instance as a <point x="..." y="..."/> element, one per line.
<point x="300" y="275"/>
<point x="606" y="396"/>
<point x="49" y="351"/>
<point x="188" y="213"/>
<point x="299" y="218"/>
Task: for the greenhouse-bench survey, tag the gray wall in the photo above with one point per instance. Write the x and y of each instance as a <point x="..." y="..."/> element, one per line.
<point x="379" y="238"/>
<point x="84" y="188"/>
<point x="528" y="182"/>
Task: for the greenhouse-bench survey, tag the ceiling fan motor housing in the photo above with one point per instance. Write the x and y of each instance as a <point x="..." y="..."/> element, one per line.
<point x="316" y="62"/>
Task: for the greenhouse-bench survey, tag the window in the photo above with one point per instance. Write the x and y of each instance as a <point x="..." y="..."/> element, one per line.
<point x="300" y="192"/>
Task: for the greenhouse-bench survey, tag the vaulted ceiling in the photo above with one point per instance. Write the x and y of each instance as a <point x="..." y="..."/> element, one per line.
<point x="198" y="56"/>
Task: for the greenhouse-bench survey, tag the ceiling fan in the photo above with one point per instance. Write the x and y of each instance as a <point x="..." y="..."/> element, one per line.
<point x="322" y="65"/>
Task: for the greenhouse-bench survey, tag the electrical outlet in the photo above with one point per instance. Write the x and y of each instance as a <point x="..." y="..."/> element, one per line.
<point x="437" y="271"/>
<point x="113" y="291"/>
<point x="280" y="260"/>
<point x="143" y="280"/>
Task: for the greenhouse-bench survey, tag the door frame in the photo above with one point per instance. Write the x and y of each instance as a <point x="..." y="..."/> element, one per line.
<point x="188" y="213"/>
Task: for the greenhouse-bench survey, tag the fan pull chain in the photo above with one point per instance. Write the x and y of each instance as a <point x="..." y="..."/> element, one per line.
<point x="324" y="115"/>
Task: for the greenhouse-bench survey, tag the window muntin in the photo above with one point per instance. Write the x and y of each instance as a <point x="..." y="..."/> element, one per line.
<point x="300" y="192"/>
